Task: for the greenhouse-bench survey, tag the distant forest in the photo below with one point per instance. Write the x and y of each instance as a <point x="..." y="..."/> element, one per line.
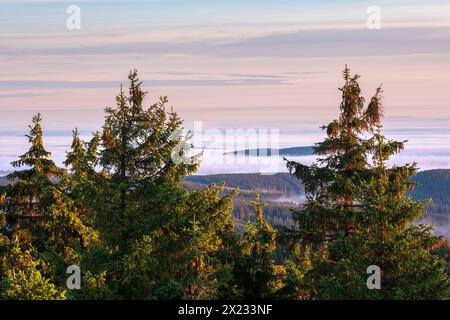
<point x="278" y="189"/>
<point x="435" y="185"/>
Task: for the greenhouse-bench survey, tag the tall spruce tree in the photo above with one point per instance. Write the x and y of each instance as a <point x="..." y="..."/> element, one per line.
<point x="21" y="199"/>
<point x="157" y="239"/>
<point x="358" y="212"/>
<point x="136" y="156"/>
<point x="25" y="274"/>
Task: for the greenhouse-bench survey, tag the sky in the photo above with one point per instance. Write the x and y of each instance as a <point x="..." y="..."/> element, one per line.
<point x="230" y="64"/>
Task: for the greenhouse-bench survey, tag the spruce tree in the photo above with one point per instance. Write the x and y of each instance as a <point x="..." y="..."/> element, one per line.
<point x="358" y="212"/>
<point x="255" y="269"/>
<point x="157" y="239"/>
<point x="136" y="157"/>
<point x="21" y="199"/>
<point x="25" y="274"/>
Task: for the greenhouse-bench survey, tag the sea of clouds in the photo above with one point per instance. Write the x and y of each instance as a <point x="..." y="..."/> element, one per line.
<point x="429" y="147"/>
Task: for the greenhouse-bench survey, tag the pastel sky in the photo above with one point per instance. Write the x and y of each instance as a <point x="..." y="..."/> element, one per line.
<point x="233" y="63"/>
